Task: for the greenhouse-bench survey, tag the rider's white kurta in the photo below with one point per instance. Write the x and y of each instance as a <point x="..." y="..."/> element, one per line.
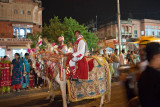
<point x="81" y="49"/>
<point x="64" y="49"/>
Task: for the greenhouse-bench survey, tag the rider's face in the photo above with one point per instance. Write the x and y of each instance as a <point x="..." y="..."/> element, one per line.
<point x="60" y="42"/>
<point x="76" y="34"/>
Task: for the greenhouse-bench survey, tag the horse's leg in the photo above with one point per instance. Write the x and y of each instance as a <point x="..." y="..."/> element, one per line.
<point x="63" y="89"/>
<point x="102" y="100"/>
<point x="51" y="92"/>
<point x="68" y="102"/>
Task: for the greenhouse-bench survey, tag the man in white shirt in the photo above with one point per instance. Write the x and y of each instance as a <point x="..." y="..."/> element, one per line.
<point x="115" y="59"/>
<point x="79" y="50"/>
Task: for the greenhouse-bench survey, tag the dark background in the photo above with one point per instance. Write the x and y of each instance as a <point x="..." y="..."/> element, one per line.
<point x="86" y="10"/>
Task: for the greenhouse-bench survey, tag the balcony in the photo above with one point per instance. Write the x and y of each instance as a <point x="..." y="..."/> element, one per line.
<point x="20" y="36"/>
<point x="14" y="41"/>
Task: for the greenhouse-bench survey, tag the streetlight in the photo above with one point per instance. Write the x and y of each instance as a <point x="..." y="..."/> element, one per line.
<point x="119" y="26"/>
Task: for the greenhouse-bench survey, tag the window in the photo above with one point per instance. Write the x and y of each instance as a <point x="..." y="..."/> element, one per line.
<point x="135" y="33"/>
<point x="146" y="33"/>
<point x="122" y="29"/>
<point x="153" y="33"/>
<point x="156" y="33"/>
<point x="156" y="27"/>
<point x="142" y="32"/>
<point x="149" y="27"/>
<point x="146" y="27"/>
<point x="152" y="27"/>
<point x="15" y="11"/>
<point x="29" y="30"/>
<point x="2" y="52"/>
<point x="135" y="27"/>
<point x="16" y="32"/>
<point x="22" y="12"/>
<point x="22" y="32"/>
<point x="29" y="13"/>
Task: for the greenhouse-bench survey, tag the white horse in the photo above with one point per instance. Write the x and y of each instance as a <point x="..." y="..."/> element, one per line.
<point x="62" y="84"/>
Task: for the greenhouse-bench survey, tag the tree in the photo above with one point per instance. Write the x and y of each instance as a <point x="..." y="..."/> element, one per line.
<point x="66" y="28"/>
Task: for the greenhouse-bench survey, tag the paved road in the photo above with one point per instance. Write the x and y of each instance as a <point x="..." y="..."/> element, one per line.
<point x="118" y="99"/>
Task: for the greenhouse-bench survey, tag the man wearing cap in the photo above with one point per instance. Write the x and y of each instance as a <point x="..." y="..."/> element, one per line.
<point x="62" y="47"/>
<point x="149" y="82"/>
<point x="78" y="58"/>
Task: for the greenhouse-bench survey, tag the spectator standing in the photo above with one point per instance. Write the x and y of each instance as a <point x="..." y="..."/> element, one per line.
<point x="5" y="80"/>
<point x="131" y="58"/>
<point x="106" y="56"/>
<point x="110" y="62"/>
<point x="27" y="66"/>
<point x="136" y="57"/>
<point x="16" y="72"/>
<point x="122" y="58"/>
<point x="127" y="56"/>
<point x="115" y="59"/>
<point x="149" y="82"/>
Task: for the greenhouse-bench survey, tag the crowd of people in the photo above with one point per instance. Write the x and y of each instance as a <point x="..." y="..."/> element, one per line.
<point x="143" y="82"/>
<point x="116" y="60"/>
<point x="18" y="74"/>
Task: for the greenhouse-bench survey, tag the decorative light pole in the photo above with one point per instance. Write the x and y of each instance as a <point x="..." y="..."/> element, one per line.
<point x="119" y="26"/>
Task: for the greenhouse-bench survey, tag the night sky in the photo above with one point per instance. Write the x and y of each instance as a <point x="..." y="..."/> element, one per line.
<point x="86" y="10"/>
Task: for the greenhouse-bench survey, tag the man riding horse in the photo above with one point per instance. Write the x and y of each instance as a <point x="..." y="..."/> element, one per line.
<point x="77" y="57"/>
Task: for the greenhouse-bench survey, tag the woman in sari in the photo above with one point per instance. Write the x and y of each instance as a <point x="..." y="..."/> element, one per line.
<point x="16" y="67"/>
<point x="5" y="80"/>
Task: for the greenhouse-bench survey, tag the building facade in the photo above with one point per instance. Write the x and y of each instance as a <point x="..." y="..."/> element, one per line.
<point x="17" y="19"/>
<point x="150" y="27"/>
<point x="130" y="28"/>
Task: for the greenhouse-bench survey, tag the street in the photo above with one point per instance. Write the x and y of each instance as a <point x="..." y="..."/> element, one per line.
<point x="118" y="99"/>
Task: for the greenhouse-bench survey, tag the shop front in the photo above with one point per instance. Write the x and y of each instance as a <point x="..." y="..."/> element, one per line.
<point x="10" y="46"/>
